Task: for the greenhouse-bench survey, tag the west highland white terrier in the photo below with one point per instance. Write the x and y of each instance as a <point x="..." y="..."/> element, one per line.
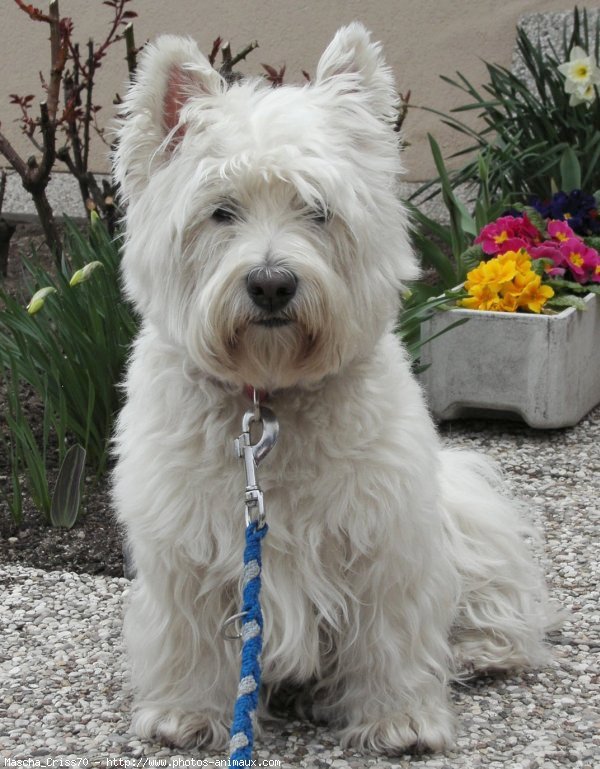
<point x="266" y="247"/>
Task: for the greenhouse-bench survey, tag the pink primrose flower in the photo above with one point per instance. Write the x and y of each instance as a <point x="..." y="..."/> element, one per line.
<point x="508" y="233"/>
<point x="560" y="230"/>
<point x="581" y="260"/>
<point x="550" y="249"/>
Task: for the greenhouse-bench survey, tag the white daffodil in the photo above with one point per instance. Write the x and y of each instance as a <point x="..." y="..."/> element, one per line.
<point x="581" y="69"/>
<point x="581" y="75"/>
<point x="582" y="96"/>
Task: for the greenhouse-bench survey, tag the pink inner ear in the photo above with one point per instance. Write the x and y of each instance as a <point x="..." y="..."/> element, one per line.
<point x="179" y="87"/>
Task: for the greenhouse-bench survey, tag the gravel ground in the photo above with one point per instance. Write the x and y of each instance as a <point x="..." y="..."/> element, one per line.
<point x="65" y="692"/>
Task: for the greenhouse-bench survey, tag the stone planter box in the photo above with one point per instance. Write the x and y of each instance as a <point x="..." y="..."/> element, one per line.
<point x="544" y="369"/>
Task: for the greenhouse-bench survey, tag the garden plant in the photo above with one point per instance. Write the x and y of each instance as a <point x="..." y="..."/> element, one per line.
<point x="535" y="171"/>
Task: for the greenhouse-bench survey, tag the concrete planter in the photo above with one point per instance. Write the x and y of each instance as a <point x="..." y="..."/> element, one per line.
<point x="544" y="369"/>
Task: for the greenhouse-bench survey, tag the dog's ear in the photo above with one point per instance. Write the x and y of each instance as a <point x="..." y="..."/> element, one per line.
<point x="356" y="65"/>
<point x="170" y="74"/>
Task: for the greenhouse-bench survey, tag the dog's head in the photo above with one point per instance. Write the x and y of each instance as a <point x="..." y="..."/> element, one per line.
<point x="264" y="231"/>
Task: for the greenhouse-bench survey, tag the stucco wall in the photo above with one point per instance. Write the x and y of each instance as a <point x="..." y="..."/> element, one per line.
<point x="422" y="39"/>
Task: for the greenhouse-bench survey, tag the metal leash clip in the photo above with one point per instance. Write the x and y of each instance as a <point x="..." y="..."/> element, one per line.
<point x="253" y="455"/>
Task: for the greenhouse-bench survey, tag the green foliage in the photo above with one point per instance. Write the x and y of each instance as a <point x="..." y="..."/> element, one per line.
<point x="69" y="351"/>
<point x="455" y="255"/>
<point x="67" y="492"/>
<point x="534" y="140"/>
<point x="419" y="304"/>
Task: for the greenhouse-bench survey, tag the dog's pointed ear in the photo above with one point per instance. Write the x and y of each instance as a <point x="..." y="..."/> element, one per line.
<point x="356" y="65"/>
<point x="170" y="74"/>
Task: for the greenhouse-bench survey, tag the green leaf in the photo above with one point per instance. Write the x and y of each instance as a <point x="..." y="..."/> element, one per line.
<point x="535" y="218"/>
<point x="567" y="300"/>
<point x="67" y="492"/>
<point x="593" y="242"/>
<point x="570" y="285"/>
<point x="433" y="256"/>
<point x="472" y="256"/>
<point x="570" y="171"/>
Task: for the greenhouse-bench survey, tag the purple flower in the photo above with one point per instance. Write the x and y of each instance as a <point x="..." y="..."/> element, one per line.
<point x="576" y="207"/>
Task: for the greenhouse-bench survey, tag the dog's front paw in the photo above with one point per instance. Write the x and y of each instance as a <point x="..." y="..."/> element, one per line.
<point x="398" y="733"/>
<point x="179" y="728"/>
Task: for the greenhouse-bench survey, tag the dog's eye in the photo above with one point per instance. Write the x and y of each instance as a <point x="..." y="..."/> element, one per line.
<point x="223" y="214"/>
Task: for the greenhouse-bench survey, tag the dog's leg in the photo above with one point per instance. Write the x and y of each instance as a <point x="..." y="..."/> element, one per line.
<point x="388" y="690"/>
<point x="184" y="674"/>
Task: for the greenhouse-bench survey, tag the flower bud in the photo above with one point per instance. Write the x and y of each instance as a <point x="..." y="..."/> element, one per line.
<point x="79" y="276"/>
<point x="38" y="299"/>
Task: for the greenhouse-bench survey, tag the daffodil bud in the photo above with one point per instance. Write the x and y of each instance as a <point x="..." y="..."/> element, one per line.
<point x="94" y="218"/>
<point x="79" y="276"/>
<point x="37" y="300"/>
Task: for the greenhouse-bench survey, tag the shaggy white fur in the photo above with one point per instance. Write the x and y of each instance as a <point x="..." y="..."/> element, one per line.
<point x="391" y="563"/>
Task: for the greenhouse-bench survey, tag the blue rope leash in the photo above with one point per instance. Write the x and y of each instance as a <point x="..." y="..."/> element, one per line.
<point x="242" y="730"/>
<point x="241" y="742"/>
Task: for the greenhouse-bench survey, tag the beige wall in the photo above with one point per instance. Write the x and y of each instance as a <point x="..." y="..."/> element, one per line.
<point x="422" y="39"/>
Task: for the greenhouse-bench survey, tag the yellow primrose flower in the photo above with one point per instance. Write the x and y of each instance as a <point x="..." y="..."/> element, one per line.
<point x="534" y="296"/>
<point x="494" y="273"/>
<point x="520" y="259"/>
<point x="506" y="284"/>
<point x="482" y="295"/>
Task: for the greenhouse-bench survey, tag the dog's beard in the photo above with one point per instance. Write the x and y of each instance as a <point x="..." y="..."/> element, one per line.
<point x="304" y="342"/>
<point x="271" y="357"/>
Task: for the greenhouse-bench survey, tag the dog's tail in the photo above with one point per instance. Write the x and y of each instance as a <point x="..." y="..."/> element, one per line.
<point x="503" y="612"/>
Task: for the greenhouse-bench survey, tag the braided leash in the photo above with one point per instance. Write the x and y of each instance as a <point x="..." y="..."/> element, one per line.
<point x="242" y="729"/>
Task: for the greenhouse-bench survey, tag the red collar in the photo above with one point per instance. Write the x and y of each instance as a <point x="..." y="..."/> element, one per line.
<point x="262" y="394"/>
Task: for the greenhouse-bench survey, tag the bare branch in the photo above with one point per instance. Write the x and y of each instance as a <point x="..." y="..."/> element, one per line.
<point x="229" y="61"/>
<point x="88" y="114"/>
<point x="244" y="53"/>
<point x="12" y="156"/>
<point x="48" y="128"/>
<point x="58" y="56"/>
<point x="130" y="48"/>
<point x="2" y="188"/>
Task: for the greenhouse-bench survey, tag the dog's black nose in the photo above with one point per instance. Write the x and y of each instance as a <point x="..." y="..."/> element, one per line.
<point x="271" y="288"/>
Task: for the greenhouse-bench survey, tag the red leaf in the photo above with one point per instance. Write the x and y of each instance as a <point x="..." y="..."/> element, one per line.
<point x="34" y="13"/>
<point x="215" y="50"/>
<point x="129" y="15"/>
<point x="271" y="71"/>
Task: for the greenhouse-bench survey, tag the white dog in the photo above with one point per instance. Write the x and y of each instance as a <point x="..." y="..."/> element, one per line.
<point x="266" y="247"/>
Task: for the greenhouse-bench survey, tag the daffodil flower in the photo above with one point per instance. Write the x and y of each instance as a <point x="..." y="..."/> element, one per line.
<point x="581" y="76"/>
<point x="79" y="276"/>
<point x="38" y="299"/>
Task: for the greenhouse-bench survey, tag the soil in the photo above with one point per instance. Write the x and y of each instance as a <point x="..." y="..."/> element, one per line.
<point x="94" y="544"/>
